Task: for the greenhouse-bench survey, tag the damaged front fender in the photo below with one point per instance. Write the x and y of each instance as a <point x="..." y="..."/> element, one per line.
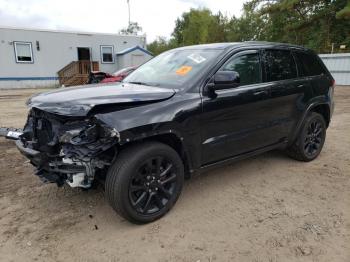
<point x="175" y="117"/>
<point x="88" y="141"/>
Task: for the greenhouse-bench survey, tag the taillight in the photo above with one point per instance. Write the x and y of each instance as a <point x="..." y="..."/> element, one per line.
<point x="333" y="83"/>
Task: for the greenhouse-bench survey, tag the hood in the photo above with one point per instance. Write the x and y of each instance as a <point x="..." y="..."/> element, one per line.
<point x="78" y="101"/>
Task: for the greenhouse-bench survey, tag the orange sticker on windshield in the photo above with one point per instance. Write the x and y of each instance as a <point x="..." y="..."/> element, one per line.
<point x="183" y="70"/>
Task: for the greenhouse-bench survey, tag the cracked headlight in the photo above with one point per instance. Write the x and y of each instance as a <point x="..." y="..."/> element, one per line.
<point x="80" y="136"/>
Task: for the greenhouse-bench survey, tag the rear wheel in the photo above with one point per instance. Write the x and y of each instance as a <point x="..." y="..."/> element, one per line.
<point x="145" y="182"/>
<point x="310" y="140"/>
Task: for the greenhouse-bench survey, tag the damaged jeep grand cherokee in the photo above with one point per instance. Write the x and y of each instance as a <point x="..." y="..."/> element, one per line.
<point x="183" y="111"/>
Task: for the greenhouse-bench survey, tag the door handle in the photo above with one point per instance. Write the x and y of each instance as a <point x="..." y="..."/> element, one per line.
<point x="261" y="92"/>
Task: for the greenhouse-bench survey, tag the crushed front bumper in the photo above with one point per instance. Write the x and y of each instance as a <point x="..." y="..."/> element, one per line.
<point x="57" y="172"/>
<point x="11" y="133"/>
<point x="67" y="150"/>
<point x="33" y="155"/>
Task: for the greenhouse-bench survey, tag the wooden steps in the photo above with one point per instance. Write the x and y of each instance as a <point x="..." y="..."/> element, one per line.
<point x="77" y="72"/>
<point x="78" y="79"/>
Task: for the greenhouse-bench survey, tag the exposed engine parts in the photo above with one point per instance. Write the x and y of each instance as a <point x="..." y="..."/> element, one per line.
<point x="67" y="151"/>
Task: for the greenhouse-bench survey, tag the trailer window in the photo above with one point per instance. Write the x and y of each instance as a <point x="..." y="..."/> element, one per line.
<point x="107" y="56"/>
<point x="23" y="52"/>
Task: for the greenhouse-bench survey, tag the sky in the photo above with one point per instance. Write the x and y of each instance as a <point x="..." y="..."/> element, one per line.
<point x="156" y="17"/>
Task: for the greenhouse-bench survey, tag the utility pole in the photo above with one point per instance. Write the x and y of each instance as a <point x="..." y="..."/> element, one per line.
<point x="129" y="10"/>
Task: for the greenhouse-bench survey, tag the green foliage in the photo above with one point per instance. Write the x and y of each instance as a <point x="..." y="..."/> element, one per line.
<point x="161" y="45"/>
<point x="316" y="24"/>
<point x="132" y="29"/>
<point x="345" y="12"/>
<point x="312" y="23"/>
<point x="198" y="26"/>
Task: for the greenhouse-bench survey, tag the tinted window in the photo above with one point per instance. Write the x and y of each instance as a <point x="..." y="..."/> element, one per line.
<point x="279" y="65"/>
<point x="248" y="67"/>
<point x="308" y="65"/>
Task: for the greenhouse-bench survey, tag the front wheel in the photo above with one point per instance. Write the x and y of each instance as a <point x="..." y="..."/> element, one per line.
<point x="309" y="143"/>
<point x="145" y="181"/>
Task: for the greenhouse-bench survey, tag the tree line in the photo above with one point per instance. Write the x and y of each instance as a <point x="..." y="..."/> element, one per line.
<point x="322" y="25"/>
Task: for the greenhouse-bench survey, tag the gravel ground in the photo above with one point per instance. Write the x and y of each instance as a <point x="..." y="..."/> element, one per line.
<point x="267" y="208"/>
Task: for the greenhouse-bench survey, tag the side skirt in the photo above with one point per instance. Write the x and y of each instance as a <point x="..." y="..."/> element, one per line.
<point x="230" y="160"/>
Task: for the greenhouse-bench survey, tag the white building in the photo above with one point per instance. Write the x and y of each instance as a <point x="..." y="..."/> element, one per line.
<point x="339" y="66"/>
<point x="33" y="58"/>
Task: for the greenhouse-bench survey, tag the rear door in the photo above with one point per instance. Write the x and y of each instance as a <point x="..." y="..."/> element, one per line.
<point x="312" y="70"/>
<point x="287" y="90"/>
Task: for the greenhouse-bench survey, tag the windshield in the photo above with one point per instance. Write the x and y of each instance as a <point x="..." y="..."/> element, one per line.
<point x="123" y="71"/>
<point x="173" y="69"/>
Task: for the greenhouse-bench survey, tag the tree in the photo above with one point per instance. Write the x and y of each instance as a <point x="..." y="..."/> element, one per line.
<point x="320" y="26"/>
<point x="217" y="31"/>
<point x="160" y="45"/>
<point x="317" y="24"/>
<point x="345" y="12"/>
<point x="199" y="26"/>
<point x="133" y="29"/>
<point x="312" y="23"/>
<point x="250" y="26"/>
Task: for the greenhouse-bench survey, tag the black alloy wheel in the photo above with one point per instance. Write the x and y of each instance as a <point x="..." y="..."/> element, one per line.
<point x="314" y="137"/>
<point x="153" y="185"/>
<point x="310" y="140"/>
<point x="145" y="181"/>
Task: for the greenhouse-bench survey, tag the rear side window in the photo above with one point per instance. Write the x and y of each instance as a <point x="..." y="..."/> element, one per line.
<point x="247" y="66"/>
<point x="279" y="65"/>
<point x="308" y="65"/>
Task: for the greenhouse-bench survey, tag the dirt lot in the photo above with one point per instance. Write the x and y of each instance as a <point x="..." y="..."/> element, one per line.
<point x="268" y="208"/>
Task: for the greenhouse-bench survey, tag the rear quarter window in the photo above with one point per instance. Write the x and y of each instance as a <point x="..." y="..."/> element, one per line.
<point x="279" y="65"/>
<point x="308" y="64"/>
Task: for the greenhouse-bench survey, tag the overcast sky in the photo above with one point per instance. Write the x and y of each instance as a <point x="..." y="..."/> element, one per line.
<point x="157" y="17"/>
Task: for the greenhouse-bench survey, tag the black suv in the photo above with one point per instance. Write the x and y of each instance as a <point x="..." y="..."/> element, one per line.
<point x="183" y="111"/>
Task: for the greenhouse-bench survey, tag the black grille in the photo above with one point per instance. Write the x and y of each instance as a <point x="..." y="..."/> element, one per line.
<point x="40" y="132"/>
<point x="44" y="132"/>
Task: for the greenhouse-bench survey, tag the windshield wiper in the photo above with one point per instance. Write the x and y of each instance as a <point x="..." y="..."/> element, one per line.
<point x="142" y="83"/>
<point x="139" y="83"/>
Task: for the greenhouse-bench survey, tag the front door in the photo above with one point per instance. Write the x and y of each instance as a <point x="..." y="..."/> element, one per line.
<point x="238" y="120"/>
<point x="84" y="54"/>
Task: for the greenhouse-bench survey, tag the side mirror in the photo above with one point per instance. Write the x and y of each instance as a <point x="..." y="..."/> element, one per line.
<point x="226" y="79"/>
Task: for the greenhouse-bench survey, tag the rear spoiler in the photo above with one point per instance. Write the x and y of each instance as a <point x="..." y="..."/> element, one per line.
<point x="10" y="132"/>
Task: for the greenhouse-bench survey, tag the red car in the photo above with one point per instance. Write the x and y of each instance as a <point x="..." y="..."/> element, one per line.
<point x="102" y="77"/>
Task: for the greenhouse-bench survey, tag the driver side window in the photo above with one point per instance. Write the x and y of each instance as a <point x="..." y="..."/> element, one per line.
<point x="247" y="66"/>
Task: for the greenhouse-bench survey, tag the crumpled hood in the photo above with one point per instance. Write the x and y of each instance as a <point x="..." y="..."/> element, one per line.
<point x="78" y="101"/>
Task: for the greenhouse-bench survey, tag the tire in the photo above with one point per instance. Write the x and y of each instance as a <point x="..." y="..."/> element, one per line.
<point x="144" y="182"/>
<point x="310" y="140"/>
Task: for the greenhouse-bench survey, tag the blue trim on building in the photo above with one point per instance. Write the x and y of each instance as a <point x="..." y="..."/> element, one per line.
<point x="28" y="78"/>
<point x="128" y="50"/>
